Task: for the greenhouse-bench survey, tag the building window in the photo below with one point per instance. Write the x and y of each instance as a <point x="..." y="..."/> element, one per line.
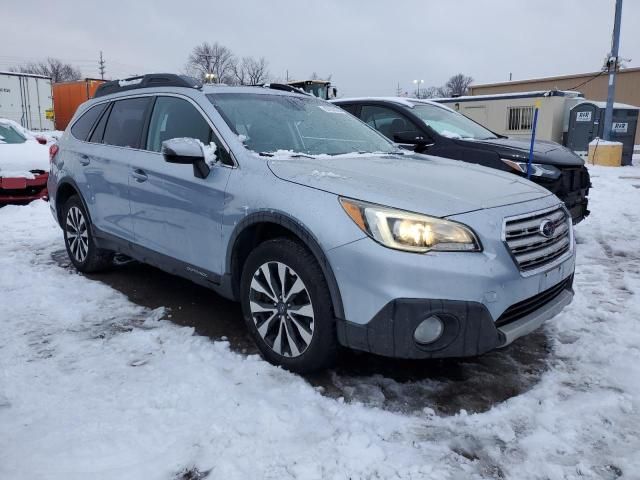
<point x="519" y="118"/>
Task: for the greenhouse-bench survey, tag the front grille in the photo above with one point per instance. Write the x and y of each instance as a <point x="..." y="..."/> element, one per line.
<point x="529" y="247"/>
<point x="525" y="307"/>
<point x="574" y="179"/>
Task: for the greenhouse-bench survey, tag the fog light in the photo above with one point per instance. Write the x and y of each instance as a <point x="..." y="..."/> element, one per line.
<point x="429" y="330"/>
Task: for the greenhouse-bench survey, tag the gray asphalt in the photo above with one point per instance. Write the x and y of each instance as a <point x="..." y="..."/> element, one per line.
<point x="445" y="386"/>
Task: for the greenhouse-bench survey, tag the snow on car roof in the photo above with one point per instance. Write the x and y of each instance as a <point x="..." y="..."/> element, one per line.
<point x="407" y="102"/>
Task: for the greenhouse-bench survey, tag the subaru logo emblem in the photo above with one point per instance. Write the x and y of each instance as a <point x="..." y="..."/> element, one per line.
<point x="547" y="228"/>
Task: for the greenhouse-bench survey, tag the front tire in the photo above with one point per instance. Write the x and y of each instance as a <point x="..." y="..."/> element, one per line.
<point x="79" y="241"/>
<point x="287" y="306"/>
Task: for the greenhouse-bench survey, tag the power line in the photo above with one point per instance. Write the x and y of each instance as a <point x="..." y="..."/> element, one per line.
<point x="588" y="80"/>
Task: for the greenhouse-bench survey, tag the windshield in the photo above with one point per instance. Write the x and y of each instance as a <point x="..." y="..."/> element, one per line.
<point x="299" y="124"/>
<point x="9" y="135"/>
<point x="451" y="124"/>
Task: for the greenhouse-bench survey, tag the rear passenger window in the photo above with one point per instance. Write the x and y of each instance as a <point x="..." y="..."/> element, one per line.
<point x="82" y="126"/>
<point x="124" y="126"/>
<point x="98" y="131"/>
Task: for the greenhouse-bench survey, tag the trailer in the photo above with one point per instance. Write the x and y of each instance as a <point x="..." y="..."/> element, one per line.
<point x="511" y="114"/>
<point x="68" y="96"/>
<point x="26" y="99"/>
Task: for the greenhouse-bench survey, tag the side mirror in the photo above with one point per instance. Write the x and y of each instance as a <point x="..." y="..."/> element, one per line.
<point x="186" y="151"/>
<point x="412" y="138"/>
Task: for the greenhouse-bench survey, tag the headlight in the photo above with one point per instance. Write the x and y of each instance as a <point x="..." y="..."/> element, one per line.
<point x="410" y="231"/>
<point x="537" y="169"/>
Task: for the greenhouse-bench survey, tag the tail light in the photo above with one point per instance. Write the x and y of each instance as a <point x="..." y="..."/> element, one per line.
<point x="41" y="140"/>
<point x="53" y="150"/>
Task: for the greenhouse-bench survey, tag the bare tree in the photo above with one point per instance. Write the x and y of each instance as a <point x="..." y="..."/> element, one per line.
<point x="215" y="59"/>
<point x="458" y="85"/>
<point x="455" y="86"/>
<point x="428" y="92"/>
<point x="257" y="70"/>
<point x="51" y="67"/>
<point x="251" y="71"/>
<point x="315" y="76"/>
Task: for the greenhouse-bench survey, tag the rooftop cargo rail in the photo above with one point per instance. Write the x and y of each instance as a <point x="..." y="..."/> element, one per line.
<point x="147" y="81"/>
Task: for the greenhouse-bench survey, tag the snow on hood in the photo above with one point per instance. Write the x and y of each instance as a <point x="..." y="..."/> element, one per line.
<point x="18" y="159"/>
<point x="418" y="183"/>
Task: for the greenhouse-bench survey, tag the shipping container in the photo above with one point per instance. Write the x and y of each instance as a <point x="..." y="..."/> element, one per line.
<point x="68" y="96"/>
<point x="27" y="100"/>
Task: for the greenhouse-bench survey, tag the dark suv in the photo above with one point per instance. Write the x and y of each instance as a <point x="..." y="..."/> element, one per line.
<point x="428" y="127"/>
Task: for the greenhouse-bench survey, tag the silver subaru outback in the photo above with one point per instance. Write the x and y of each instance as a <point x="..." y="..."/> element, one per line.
<point x="326" y="232"/>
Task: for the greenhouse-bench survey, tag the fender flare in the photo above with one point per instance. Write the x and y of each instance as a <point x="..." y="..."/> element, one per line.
<point x="71" y="183"/>
<point x="308" y="239"/>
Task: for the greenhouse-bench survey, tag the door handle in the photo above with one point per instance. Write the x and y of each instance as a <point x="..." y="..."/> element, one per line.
<point x="139" y="175"/>
<point x="84" y="159"/>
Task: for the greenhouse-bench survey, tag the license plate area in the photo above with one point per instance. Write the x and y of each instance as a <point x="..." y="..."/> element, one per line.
<point x="13" y="183"/>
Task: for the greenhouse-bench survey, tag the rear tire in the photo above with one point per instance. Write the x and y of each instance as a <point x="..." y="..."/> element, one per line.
<point x="287" y="306"/>
<point x="79" y="241"/>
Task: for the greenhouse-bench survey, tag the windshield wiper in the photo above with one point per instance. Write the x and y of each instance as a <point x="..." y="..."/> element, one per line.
<point x="392" y="152"/>
<point x="290" y="155"/>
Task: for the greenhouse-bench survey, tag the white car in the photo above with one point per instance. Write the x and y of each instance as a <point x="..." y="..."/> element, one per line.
<point x="24" y="163"/>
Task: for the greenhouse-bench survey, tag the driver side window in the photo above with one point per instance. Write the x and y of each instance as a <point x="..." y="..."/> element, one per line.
<point x="387" y="121"/>
<point x="174" y="117"/>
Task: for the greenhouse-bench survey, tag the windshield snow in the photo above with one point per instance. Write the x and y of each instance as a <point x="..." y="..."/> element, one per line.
<point x="304" y="125"/>
<point x="10" y="135"/>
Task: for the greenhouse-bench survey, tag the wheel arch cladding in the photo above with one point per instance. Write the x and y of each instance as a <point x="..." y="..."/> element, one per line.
<point x="261" y="226"/>
<point x="66" y="189"/>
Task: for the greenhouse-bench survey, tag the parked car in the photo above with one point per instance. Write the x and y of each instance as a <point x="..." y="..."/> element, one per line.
<point x="324" y="230"/>
<point x="24" y="164"/>
<point x="429" y="127"/>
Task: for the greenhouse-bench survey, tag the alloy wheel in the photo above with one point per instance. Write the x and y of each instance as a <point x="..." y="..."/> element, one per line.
<point x="281" y="309"/>
<point x="77" y="234"/>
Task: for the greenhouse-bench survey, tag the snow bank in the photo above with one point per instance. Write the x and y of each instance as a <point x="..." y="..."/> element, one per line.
<point x="93" y="386"/>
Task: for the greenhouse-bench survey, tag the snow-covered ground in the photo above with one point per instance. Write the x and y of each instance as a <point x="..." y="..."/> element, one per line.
<point x="93" y="386"/>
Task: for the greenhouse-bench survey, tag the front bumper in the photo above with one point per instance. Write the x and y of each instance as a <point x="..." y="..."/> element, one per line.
<point x="483" y="298"/>
<point x="469" y="329"/>
<point x="23" y="190"/>
<point x="573" y="189"/>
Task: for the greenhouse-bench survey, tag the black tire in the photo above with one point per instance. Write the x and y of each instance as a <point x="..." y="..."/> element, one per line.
<point x="320" y="352"/>
<point x="79" y="241"/>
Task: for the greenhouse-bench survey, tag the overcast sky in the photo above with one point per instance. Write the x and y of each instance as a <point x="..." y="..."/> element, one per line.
<point x="369" y="46"/>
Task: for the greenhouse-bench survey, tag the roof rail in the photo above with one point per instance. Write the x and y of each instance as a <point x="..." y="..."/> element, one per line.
<point x="147" y="81"/>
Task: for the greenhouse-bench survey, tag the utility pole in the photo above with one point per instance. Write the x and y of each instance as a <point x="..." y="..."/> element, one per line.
<point x="101" y="67"/>
<point x="398" y="91"/>
<point x="612" y="66"/>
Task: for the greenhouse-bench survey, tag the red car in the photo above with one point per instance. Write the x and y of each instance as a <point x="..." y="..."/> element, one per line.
<point x="24" y="164"/>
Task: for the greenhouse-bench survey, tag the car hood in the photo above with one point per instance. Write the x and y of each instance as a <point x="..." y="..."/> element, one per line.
<point x="544" y="151"/>
<point x="19" y="159"/>
<point x="419" y="183"/>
